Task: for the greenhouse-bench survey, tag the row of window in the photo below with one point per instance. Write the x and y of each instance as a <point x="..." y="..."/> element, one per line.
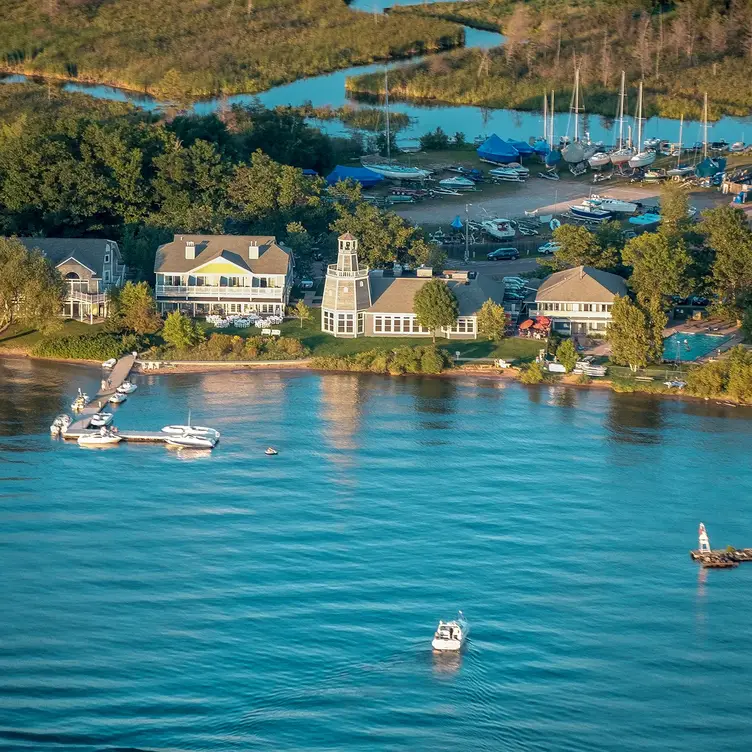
<point x="397" y="325"/>
<point x="200" y="280"/>
<point x="576" y="307"/>
<point x="343" y="323"/>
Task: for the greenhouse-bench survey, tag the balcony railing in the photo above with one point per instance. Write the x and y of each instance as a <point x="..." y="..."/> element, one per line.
<point x="221" y="292"/>
<point x="333" y="271"/>
<point x="78" y="296"/>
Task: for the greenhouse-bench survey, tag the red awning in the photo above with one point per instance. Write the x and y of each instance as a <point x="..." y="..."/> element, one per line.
<point x="543" y="321"/>
<point x="526" y="324"/>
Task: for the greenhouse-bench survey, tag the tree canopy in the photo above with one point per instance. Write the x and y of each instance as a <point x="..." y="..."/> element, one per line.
<point x="134" y="309"/>
<point x="435" y="306"/>
<point x="660" y="266"/>
<point x="492" y="320"/>
<point x="629" y="334"/>
<point x="180" y="331"/>
<point x="580" y="246"/>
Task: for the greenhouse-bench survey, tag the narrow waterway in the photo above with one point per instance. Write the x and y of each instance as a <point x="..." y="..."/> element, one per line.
<point x="329" y="89"/>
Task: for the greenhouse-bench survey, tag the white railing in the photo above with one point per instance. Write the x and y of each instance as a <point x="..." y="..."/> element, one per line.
<point x="221" y="292"/>
<point x="77" y="296"/>
<point x="333" y="271"/>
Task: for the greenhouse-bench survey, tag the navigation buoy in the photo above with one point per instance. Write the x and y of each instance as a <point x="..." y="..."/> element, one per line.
<point x="704" y="540"/>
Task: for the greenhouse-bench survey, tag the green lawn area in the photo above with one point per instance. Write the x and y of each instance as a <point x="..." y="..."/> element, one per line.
<point x="23" y="338"/>
<point x="319" y="343"/>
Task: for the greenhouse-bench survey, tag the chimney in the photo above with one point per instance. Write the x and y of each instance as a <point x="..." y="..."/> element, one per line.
<point x="190" y="249"/>
<point x="253" y="250"/>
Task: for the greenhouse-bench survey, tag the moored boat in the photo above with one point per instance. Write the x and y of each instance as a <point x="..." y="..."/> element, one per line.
<point x="126" y="388"/>
<point x="60" y="424"/>
<point x="118" y="398"/>
<point x="101" y="419"/>
<point x="188" y="441"/>
<point x="82" y="399"/>
<point x="181" y="430"/>
<point x="111" y="363"/>
<point x="103" y="437"/>
<point x="451" y="635"/>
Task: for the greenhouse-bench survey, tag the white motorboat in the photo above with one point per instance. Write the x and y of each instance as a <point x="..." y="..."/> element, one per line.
<point x="126" y="388"/>
<point x="652" y="143"/>
<point x="117" y="398"/>
<point x="681" y="171"/>
<point x="599" y="159"/>
<point x="501" y="229"/>
<point x="82" y="399"/>
<point x="590" y="213"/>
<point x="611" y="204"/>
<point x="519" y="168"/>
<point x="458" y="184"/>
<point x="737" y="147"/>
<point x="178" y="430"/>
<point x="101" y="419"/>
<point x="103" y="437"/>
<point x="271" y="452"/>
<point x="507" y="175"/>
<point x="111" y="363"/>
<point x="398" y="172"/>
<point x="188" y="441"/>
<point x="60" y="424"/>
<point x="451" y="635"/>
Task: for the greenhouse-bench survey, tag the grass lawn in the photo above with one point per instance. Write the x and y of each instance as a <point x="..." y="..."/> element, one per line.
<point x="319" y="343"/>
<point x="22" y="338"/>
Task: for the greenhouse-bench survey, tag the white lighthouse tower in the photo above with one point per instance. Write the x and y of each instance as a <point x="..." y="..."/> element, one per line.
<point x="704" y="540"/>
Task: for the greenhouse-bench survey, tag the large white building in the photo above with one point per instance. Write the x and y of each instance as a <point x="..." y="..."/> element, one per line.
<point x="225" y="274"/>
<point x="578" y="300"/>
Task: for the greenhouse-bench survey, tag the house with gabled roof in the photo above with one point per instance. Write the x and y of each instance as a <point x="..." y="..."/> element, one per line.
<point x="226" y="274"/>
<point x="89" y="267"/>
<point x="578" y="300"/>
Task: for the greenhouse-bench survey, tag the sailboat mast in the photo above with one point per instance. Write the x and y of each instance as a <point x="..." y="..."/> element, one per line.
<point x="577" y="105"/>
<point x="553" y="110"/>
<point x="621" y="112"/>
<point x="681" y="134"/>
<point x="386" y="107"/>
<point x="705" y="126"/>
<point x="639" y="121"/>
<point x="545" y="116"/>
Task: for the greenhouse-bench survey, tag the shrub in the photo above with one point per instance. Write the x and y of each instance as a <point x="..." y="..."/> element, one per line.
<point x="100" y="346"/>
<point x="583" y="378"/>
<point x="533" y="374"/>
<point x="431" y="360"/>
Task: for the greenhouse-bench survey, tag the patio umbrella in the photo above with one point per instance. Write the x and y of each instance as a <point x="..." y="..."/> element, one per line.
<point x="457" y="223"/>
<point x="526" y="324"/>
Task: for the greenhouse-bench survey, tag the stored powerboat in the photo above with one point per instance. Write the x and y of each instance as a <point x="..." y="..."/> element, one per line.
<point x="451" y="635"/>
<point x="126" y="388"/>
<point x="117" y="398"/>
<point x="649" y="219"/>
<point x="101" y="419"/>
<point x="398" y="172"/>
<point x="501" y="229"/>
<point x="590" y="213"/>
<point x="507" y="174"/>
<point x="681" y="171"/>
<point x="103" y="437"/>
<point x="60" y="425"/>
<point x="458" y="184"/>
<point x="111" y="363"/>
<point x="188" y="441"/>
<point x="599" y="159"/>
<point x="611" y="204"/>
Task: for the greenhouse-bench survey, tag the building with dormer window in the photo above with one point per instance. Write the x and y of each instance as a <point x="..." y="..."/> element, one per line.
<point x="225" y="274"/>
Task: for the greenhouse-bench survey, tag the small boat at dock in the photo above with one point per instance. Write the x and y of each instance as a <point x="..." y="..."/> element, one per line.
<point x="108" y="364"/>
<point x="80" y="402"/>
<point x="188" y="441"/>
<point x="103" y="437"/>
<point x="189" y="430"/>
<point x="118" y="398"/>
<point x="101" y="419"/>
<point x="60" y="424"/>
<point x="126" y="388"/>
<point x="451" y="635"/>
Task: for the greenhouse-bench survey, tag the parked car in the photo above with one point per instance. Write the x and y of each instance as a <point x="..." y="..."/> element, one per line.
<point x="550" y="247"/>
<point x="502" y="254"/>
<point x="306" y="284"/>
<point x="472" y="275"/>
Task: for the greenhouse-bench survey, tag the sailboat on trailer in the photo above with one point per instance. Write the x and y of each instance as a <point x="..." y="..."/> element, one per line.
<point x="642" y="158"/>
<point x="624" y="152"/>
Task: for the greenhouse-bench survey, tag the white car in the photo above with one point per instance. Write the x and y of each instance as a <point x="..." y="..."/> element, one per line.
<point x="549" y="247"/>
<point x="306" y="284"/>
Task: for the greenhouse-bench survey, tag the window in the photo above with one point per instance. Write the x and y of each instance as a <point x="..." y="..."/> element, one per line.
<point x="387" y="323"/>
<point x="609" y="307"/>
<point x="587" y="307"/>
<point x="361" y="322"/>
<point x="106" y="258"/>
<point x="397" y="324"/>
<point x="378" y="323"/>
<point x="345" y="289"/>
<point x="361" y="283"/>
<point x="328" y="321"/>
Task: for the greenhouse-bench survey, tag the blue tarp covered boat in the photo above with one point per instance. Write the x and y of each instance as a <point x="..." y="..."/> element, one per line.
<point x="522" y="147"/>
<point x="493" y="149"/>
<point x="367" y="178"/>
<point x="709" y="167"/>
<point x="553" y="158"/>
<point x="541" y="147"/>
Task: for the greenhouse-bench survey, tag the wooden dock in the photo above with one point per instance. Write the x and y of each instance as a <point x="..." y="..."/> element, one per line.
<point x="721" y="558"/>
<point x="153" y="437"/>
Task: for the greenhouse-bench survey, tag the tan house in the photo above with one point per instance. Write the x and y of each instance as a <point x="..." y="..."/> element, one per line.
<point x="89" y="266"/>
<point x="578" y="300"/>
<point x="362" y="303"/>
<point x="223" y="274"/>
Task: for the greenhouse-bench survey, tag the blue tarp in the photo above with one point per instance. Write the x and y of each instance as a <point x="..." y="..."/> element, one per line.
<point x="522" y="147"/>
<point x="553" y="158"/>
<point x="541" y="147"/>
<point x="494" y="149"/>
<point x="709" y="167"/>
<point x="457" y="223"/>
<point x="362" y="175"/>
<point x="309" y="172"/>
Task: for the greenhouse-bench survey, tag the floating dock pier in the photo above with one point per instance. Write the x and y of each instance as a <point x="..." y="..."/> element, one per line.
<point x="719" y="558"/>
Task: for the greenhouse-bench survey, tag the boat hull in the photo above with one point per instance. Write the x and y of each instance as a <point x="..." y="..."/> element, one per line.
<point x="99" y="440"/>
<point x="594" y="215"/>
<point x="643" y="160"/>
<point x="394" y="174"/>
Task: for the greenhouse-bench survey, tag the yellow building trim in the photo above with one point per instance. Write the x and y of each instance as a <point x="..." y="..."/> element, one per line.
<point x="221" y="267"/>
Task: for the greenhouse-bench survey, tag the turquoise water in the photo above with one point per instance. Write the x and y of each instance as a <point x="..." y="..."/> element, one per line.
<point x="686" y="346"/>
<point x="158" y="601"/>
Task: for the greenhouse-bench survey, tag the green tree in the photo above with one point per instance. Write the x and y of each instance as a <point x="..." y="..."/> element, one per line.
<point x="435" y="306"/>
<point x="660" y="266"/>
<point x="427" y="254"/>
<point x="674" y="209"/>
<point x="301" y="311"/>
<point x="133" y="308"/>
<point x="579" y="246"/>
<point x="180" y="331"/>
<point x="629" y="334"/>
<point x="31" y="291"/>
<point x="492" y="320"/>
<point x="533" y="374"/>
<point x="657" y="320"/>
<point x="567" y="355"/>
<point x="727" y="234"/>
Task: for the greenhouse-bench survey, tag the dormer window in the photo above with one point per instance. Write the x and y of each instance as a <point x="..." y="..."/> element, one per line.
<point x="106" y="258"/>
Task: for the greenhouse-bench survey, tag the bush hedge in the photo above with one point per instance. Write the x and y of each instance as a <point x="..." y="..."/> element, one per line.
<point x="234" y="347"/>
<point x="99" y="346"/>
<point x="422" y="359"/>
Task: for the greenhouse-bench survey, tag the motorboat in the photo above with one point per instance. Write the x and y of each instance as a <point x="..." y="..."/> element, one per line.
<point x="118" y="398"/>
<point x="108" y="364"/>
<point x="101" y="419"/>
<point x="652" y="143"/>
<point x="590" y="213"/>
<point x="126" y="388"/>
<point x="189" y="441"/>
<point x="506" y="174"/>
<point x="736" y="147"/>
<point x="501" y="229"/>
<point x="599" y="159"/>
<point x="270" y="452"/>
<point x="103" y="437"/>
<point x="451" y="635"/>
<point x="654" y="176"/>
<point x="398" y="172"/>
<point x="60" y="424"/>
<point x="177" y="430"/>
<point x="458" y="183"/>
<point x="82" y="399"/>
<point x="611" y="204"/>
<point x="681" y="171"/>
<point x="519" y="168"/>
<point x="645" y="220"/>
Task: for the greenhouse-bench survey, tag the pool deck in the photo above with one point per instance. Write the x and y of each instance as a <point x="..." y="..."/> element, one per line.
<point x="731" y="334"/>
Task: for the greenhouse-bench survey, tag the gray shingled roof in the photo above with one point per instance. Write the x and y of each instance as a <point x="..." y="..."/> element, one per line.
<point x="583" y="284"/>
<point x="395" y="295"/>
<point x="273" y="258"/>
<point x="87" y="251"/>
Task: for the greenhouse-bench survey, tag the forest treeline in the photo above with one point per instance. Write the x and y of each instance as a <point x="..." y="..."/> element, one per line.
<point x="73" y="166"/>
<point x="680" y="50"/>
<point x="192" y="48"/>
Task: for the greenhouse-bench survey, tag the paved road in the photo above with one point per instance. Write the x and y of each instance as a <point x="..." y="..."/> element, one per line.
<point x="502" y="268"/>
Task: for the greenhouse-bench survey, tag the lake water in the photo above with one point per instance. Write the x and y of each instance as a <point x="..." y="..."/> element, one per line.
<point x="329" y="89"/>
<point x="162" y="601"/>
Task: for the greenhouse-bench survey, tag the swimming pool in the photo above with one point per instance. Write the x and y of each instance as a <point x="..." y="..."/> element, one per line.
<point x="686" y="346"/>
